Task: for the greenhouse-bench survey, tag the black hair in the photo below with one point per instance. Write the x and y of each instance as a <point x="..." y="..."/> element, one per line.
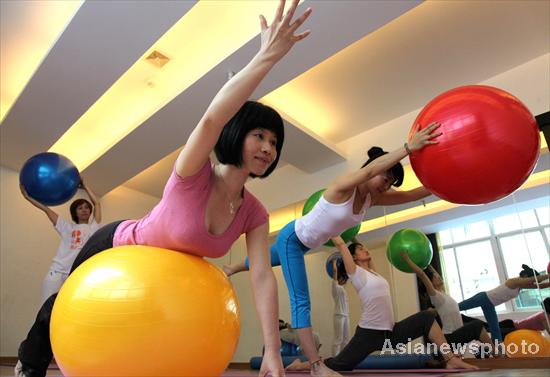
<point x="527" y="272"/>
<point x="75" y="205"/>
<point x="352" y="246"/>
<point x="229" y="148"/>
<point x="546" y="304"/>
<point x="341" y="272"/>
<point x="430" y="272"/>
<point x="396" y="170"/>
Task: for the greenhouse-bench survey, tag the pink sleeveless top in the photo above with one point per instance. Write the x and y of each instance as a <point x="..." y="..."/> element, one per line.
<point x="178" y="221"/>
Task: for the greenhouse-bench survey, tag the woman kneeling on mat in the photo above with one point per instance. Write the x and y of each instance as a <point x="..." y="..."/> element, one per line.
<point x="454" y="328"/>
<point x="343" y="205"/>
<point x="376" y="325"/>
<point x="205" y="207"/>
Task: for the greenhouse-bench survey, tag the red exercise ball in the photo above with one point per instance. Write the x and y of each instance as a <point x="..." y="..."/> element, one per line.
<point x="489" y="146"/>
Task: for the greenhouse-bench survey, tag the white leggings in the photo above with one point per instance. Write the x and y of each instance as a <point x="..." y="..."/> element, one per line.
<point x="52" y="283"/>
<point x="341" y="333"/>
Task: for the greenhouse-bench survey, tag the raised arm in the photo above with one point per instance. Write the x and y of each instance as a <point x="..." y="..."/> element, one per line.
<point x="276" y="40"/>
<point x="421" y="274"/>
<point x="418" y="141"/>
<point x="51" y="214"/>
<point x="334" y="270"/>
<point x="399" y="197"/>
<point x="264" y="289"/>
<point x="93" y="198"/>
<point x="349" y="263"/>
<point x="528" y="282"/>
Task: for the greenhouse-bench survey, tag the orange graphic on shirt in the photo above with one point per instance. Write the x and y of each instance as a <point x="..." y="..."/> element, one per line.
<point x="76" y="239"/>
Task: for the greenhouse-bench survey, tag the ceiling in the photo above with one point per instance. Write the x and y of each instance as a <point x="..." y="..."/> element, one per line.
<point x="365" y="63"/>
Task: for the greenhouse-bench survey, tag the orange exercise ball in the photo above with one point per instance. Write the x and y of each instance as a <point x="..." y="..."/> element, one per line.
<point x="527" y="343"/>
<point x="145" y="311"/>
<point x="489" y="146"/>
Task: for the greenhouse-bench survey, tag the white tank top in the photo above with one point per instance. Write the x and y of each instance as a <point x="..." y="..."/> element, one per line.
<point x="501" y="294"/>
<point x="374" y="293"/>
<point x="327" y="220"/>
<point x="448" y="311"/>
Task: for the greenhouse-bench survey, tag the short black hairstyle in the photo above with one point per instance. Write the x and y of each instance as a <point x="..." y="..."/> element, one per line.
<point x="396" y="170"/>
<point x="75" y="205"/>
<point x="229" y="148"/>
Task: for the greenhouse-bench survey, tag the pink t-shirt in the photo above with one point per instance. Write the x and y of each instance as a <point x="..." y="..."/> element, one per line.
<point x="178" y="221"/>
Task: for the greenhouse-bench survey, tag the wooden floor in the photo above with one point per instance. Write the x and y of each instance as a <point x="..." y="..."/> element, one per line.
<point x="8" y="371"/>
<point x="499" y="367"/>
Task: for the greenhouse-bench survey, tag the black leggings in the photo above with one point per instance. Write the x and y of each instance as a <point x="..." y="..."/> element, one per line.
<point x="366" y="341"/>
<point x="35" y="352"/>
<point x="465" y="334"/>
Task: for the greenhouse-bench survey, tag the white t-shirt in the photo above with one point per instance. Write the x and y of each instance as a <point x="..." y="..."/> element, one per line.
<point x="501" y="294"/>
<point x="340" y="297"/>
<point x="327" y="220"/>
<point x="73" y="237"/>
<point x="448" y="311"/>
<point x="374" y="293"/>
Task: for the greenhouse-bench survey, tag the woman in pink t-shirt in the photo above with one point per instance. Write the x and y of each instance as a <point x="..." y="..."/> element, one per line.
<point x="205" y="207"/>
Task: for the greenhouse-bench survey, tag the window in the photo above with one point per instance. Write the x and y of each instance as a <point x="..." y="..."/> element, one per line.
<point x="479" y="256"/>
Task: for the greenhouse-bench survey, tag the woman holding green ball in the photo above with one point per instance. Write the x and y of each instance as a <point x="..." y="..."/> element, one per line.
<point x="452" y="325"/>
<point x="343" y="205"/>
<point x="415" y="243"/>
<point x="377" y="330"/>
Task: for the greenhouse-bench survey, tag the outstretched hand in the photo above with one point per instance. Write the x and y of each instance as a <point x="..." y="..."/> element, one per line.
<point x="278" y="38"/>
<point x="426" y="136"/>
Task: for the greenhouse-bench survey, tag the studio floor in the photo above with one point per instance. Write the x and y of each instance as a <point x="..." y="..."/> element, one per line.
<point x="7" y="370"/>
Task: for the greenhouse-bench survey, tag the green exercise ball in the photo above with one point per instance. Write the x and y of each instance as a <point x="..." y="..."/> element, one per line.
<point x="413" y="242"/>
<point x="347" y="235"/>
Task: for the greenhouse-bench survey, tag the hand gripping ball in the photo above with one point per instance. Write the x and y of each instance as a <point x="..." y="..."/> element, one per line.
<point x="489" y="146"/>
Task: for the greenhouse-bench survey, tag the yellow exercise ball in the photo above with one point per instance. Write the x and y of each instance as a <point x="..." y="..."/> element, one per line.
<point x="145" y="311"/>
<point x="527" y="343"/>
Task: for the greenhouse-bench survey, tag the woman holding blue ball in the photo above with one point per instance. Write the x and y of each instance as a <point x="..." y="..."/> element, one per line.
<point x="86" y="218"/>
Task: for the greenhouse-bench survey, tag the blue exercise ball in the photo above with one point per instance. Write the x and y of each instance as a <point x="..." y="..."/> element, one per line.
<point x="50" y="178"/>
<point x="289" y="349"/>
<point x="334" y="256"/>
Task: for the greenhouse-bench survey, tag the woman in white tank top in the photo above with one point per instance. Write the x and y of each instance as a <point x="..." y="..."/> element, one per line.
<point x="488" y="300"/>
<point x="343" y="205"/>
<point x="377" y="329"/>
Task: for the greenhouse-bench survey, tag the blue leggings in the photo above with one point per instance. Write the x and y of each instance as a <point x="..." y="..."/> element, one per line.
<point x="482" y="300"/>
<point x="288" y="252"/>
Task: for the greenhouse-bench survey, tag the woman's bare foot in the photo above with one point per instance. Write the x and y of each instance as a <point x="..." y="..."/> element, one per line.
<point x="457" y="363"/>
<point x="298" y="365"/>
<point x="319" y="369"/>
